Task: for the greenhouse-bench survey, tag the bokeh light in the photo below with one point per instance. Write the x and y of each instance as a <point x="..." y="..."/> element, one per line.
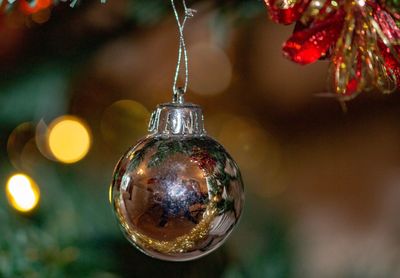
<point x="69" y="139"/>
<point x="249" y="143"/>
<point x="210" y="68"/>
<point x="22" y="192"/>
<point x="41" y="140"/>
<point x="29" y="7"/>
<point x="123" y="123"/>
<point x="42" y="16"/>
<point x="255" y="150"/>
<point x="17" y="141"/>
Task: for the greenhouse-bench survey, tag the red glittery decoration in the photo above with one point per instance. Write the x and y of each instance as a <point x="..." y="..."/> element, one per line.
<point x="286" y="15"/>
<point x="353" y="84"/>
<point x="387" y="24"/>
<point x="308" y="45"/>
<point x="392" y="64"/>
<point x="369" y="27"/>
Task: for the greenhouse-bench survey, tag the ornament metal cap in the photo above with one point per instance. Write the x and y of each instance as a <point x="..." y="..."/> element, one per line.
<point x="177" y="118"/>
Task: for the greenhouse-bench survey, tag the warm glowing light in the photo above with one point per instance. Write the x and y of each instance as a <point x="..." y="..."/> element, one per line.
<point x="361" y="2"/>
<point x="124" y="122"/>
<point x="22" y="192"/>
<point x="69" y="139"/>
<point x="18" y="142"/>
<point x="256" y="151"/>
<point x="140" y="171"/>
<point x="211" y="69"/>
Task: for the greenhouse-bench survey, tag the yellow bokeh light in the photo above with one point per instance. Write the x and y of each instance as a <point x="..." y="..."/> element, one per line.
<point x="123" y="123"/>
<point x="110" y="194"/>
<point x="22" y="193"/>
<point x="69" y="139"/>
<point x="211" y="69"/>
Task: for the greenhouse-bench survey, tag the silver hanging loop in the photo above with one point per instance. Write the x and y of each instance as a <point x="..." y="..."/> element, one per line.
<point x="179" y="92"/>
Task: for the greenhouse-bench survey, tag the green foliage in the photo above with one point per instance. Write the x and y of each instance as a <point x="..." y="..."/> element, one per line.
<point x="44" y="86"/>
<point x="165" y="149"/>
<point x="145" y="12"/>
<point x="61" y="238"/>
<point x="271" y="253"/>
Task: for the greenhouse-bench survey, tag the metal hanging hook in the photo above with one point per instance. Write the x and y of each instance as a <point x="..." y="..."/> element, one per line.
<point x="182" y="53"/>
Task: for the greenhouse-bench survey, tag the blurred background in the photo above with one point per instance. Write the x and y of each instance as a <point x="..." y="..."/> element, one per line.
<point x="77" y="87"/>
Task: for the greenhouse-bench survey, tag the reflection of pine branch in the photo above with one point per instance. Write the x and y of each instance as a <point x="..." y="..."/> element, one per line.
<point x="213" y="188"/>
<point x="221" y="175"/>
<point x="226" y="205"/>
<point x="167" y="148"/>
<point x="170" y="147"/>
<point x="140" y="154"/>
<point x="218" y="179"/>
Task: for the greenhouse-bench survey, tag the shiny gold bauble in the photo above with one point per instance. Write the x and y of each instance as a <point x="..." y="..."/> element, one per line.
<point x="177" y="194"/>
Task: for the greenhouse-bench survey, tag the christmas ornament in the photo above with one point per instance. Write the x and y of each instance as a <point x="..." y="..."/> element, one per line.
<point x="177" y="194"/>
<point x="361" y="38"/>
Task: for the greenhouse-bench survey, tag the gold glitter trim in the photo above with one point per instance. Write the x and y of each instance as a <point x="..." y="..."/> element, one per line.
<point x="181" y="244"/>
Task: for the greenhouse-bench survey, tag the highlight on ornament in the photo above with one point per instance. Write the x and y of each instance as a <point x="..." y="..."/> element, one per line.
<point x="123" y="120"/>
<point x="69" y="139"/>
<point x="22" y="193"/>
